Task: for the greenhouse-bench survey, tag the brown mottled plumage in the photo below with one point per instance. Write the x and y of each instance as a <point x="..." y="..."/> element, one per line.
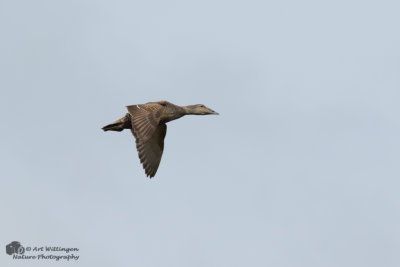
<point x="148" y="125"/>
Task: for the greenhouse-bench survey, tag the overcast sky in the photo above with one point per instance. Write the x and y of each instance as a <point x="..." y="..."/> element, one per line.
<point x="300" y="169"/>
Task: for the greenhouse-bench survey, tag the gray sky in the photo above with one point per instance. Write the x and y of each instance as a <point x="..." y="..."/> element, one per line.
<point x="300" y="169"/>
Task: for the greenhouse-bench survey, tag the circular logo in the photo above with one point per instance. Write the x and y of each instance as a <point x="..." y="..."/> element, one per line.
<point x="21" y="250"/>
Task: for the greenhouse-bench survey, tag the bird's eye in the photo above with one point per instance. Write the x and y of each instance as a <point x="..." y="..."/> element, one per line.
<point x="163" y="104"/>
<point x="202" y="106"/>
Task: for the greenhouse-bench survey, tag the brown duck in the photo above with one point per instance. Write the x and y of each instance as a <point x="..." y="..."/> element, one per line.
<point x="148" y="124"/>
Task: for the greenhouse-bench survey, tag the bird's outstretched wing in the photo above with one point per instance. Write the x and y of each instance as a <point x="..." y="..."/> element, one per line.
<point x="150" y="152"/>
<point x="145" y="119"/>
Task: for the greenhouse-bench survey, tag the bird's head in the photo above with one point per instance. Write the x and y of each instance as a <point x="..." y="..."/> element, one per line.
<point x="199" y="109"/>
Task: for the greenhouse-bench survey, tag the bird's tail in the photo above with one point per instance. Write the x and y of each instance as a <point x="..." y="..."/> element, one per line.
<point x="119" y="125"/>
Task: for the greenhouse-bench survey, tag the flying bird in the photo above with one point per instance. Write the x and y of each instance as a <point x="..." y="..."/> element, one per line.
<point x="148" y="125"/>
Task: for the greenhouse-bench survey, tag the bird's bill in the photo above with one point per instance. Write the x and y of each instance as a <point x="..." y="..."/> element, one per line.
<point x="212" y="112"/>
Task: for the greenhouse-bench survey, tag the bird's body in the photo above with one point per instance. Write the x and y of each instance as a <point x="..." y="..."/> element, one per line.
<point x="148" y="124"/>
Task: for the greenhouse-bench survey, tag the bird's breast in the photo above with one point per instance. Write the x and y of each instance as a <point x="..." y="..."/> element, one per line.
<point x="170" y="117"/>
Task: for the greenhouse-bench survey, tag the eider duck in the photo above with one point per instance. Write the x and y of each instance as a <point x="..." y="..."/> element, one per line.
<point x="148" y="125"/>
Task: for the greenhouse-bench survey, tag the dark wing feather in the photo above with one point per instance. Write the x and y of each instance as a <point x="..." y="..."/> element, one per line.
<point x="145" y="119"/>
<point x="150" y="152"/>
